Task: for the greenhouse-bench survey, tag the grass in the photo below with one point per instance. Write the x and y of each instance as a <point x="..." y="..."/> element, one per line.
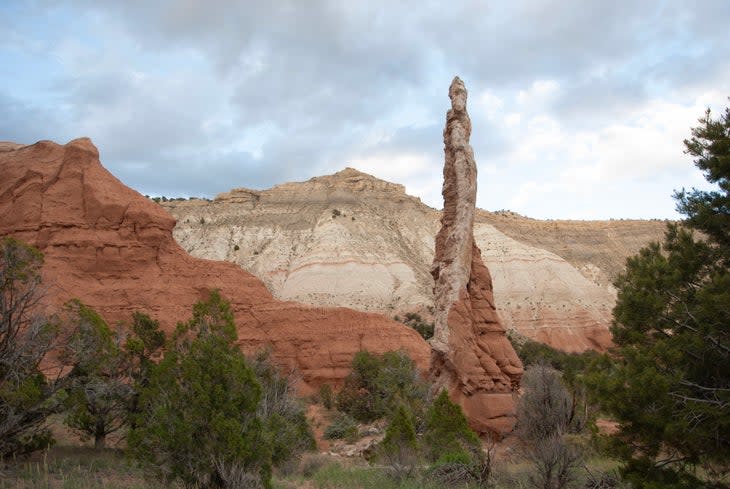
<point x="516" y="474"/>
<point x="336" y="475"/>
<point x="73" y="468"/>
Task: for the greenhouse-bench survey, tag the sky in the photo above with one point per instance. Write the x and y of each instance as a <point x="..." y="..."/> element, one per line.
<point x="579" y="108"/>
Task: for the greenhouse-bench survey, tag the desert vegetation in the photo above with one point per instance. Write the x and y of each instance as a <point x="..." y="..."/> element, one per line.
<point x="416" y="321"/>
<point x="191" y="409"/>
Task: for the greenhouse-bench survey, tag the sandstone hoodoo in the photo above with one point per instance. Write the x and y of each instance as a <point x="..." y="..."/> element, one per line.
<point x="471" y="355"/>
<point x="113" y="249"/>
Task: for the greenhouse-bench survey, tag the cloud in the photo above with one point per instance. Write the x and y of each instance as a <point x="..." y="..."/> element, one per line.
<point x="188" y="97"/>
<point x="636" y="161"/>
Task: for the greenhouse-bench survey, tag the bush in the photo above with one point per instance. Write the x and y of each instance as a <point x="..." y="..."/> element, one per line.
<point x="572" y="365"/>
<point x="545" y="407"/>
<point x="144" y="342"/>
<point x="26" y="336"/>
<point x="543" y="416"/>
<point x="343" y="427"/>
<point x="99" y="391"/>
<point x="281" y="412"/>
<point x="604" y="480"/>
<point x="447" y="431"/>
<point x="555" y="462"/>
<point x="377" y="383"/>
<point x="399" y="449"/>
<point x="575" y="370"/>
<point x="415" y="321"/>
<point x="460" y="468"/>
<point x="326" y="396"/>
<point x="198" y="420"/>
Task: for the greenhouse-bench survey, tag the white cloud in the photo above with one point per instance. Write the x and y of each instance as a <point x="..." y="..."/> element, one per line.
<point x="565" y="122"/>
<point x="553" y="165"/>
<point x="489" y="103"/>
<point x="394" y="167"/>
<point x="540" y="93"/>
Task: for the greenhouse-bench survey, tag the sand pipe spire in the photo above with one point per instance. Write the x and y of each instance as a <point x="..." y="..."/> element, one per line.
<point x="471" y="355"/>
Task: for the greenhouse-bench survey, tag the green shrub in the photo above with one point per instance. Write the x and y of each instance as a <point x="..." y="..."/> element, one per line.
<point x="399" y="448"/>
<point x="236" y="247"/>
<point x="326" y="396"/>
<point x="447" y="431"/>
<point x="572" y="365"/>
<point x="415" y="321"/>
<point x="99" y="392"/>
<point x="343" y="427"/>
<point x="27" y="398"/>
<point x="459" y="457"/>
<point x="463" y="469"/>
<point x="145" y="341"/>
<point x="281" y="412"/>
<point x="198" y="420"/>
<point x="377" y="383"/>
<point x="400" y="431"/>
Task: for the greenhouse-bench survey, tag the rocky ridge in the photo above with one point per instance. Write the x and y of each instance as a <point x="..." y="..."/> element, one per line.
<point x="352" y="240"/>
<point x="113" y="249"/>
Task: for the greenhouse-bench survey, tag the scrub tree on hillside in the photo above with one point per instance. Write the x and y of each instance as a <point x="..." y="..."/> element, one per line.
<point x="99" y="390"/>
<point x="26" y="336"/>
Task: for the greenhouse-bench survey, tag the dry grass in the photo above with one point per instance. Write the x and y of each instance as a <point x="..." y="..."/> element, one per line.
<point x="73" y="468"/>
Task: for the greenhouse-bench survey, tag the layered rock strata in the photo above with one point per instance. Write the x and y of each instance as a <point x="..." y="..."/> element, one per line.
<point x="112" y="248"/>
<point x="472" y="356"/>
<point x="350" y="239"/>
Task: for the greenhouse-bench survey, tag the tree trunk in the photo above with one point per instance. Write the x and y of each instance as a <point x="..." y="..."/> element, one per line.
<point x="99" y="435"/>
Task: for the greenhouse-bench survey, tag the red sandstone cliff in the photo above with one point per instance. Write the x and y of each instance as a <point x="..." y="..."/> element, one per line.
<point x="472" y="356"/>
<point x="112" y="248"/>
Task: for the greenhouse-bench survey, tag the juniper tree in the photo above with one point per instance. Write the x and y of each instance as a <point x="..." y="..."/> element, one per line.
<point x="447" y="430"/>
<point x="99" y="390"/>
<point x="26" y="336"/>
<point x="197" y="422"/>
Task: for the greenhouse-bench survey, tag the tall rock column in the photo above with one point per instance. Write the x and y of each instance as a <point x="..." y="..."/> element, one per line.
<point x="471" y="355"/>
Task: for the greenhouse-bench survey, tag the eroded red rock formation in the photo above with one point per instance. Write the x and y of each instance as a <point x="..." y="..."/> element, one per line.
<point x="112" y="248"/>
<point x="472" y="356"/>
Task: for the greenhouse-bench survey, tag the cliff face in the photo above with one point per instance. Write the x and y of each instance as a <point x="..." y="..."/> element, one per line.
<point x="352" y="240"/>
<point x="472" y="356"/>
<point x="112" y="248"/>
<point x="346" y="239"/>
